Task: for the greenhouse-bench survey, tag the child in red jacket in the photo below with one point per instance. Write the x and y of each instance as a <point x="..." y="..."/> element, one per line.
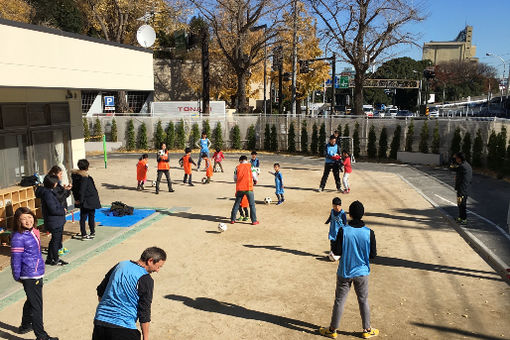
<point x="218" y="157"/>
<point x="346" y="159"/>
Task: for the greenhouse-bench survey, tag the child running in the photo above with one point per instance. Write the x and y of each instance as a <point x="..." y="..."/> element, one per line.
<point x="278" y="181"/>
<point x="186" y="162"/>
<point x="141" y="171"/>
<point x="218" y="157"/>
<point x="346" y="158"/>
<point x="337" y="219"/>
<point x="208" y="168"/>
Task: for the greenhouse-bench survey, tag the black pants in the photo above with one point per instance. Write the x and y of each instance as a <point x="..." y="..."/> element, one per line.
<point x="243" y="212"/>
<point x="462" y="204"/>
<point x="55" y="243"/>
<point x="109" y="333"/>
<point x="33" y="307"/>
<point x="336" y="173"/>
<point x="91" y="215"/>
<point x="168" y="180"/>
<point x="187" y="178"/>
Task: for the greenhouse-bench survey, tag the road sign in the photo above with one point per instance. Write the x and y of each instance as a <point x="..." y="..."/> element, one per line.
<point x="344" y="82"/>
<point x="328" y="82"/>
<point x="109" y="101"/>
<point x="389" y="83"/>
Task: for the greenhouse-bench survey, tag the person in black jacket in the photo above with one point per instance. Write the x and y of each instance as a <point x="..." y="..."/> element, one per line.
<point x="62" y="192"/>
<point x="86" y="197"/>
<point x="463" y="178"/>
<point x="54" y="218"/>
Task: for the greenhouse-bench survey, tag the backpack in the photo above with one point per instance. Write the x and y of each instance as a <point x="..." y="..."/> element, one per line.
<point x="29" y="181"/>
<point x="120" y="209"/>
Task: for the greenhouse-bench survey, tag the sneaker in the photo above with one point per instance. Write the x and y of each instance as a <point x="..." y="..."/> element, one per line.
<point x="324" y="331"/>
<point x="61" y="252"/>
<point x="239" y="218"/>
<point x="320" y="190"/>
<point x="279" y="202"/>
<point x="171" y="190"/>
<point x="340" y="190"/>
<point x="232" y="222"/>
<point x="24" y="329"/>
<point x="246" y="218"/>
<point x="86" y="238"/>
<point x="458" y="219"/>
<point x="157" y="192"/>
<point x="48" y="338"/>
<point x="61" y="263"/>
<point x="370" y="333"/>
<point x="463" y="222"/>
<point x="92" y="235"/>
<point x="255" y="223"/>
<point x="191" y="184"/>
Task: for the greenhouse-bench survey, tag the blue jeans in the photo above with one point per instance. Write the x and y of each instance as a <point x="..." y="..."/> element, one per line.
<point x="200" y="158"/>
<point x="251" y="201"/>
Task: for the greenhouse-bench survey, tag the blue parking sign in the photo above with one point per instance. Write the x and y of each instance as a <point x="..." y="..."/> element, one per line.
<point x="109" y="101"/>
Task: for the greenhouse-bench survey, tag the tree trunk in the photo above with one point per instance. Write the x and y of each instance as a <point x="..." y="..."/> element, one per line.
<point x="241" y="106"/>
<point x="358" y="93"/>
<point x="122" y="104"/>
<point x="205" y="71"/>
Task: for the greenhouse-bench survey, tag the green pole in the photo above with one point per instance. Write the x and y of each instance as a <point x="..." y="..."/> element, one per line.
<point x="104" y="151"/>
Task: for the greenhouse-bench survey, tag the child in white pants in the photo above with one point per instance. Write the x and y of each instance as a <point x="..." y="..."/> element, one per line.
<point x="346" y="158"/>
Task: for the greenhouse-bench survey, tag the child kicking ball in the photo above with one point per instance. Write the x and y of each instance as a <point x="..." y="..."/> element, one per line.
<point x="278" y="182"/>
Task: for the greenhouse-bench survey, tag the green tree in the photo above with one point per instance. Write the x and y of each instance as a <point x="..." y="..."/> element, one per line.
<point x="113" y="131"/>
<point x="424" y="138"/>
<point x="98" y="130"/>
<point x="436" y="139"/>
<point x="322" y="139"/>
<point x="315" y="140"/>
<point x="251" y="137"/>
<point x="64" y="15"/>
<point x="180" y="135"/>
<point x="291" y="137"/>
<point x="356" y="141"/>
<point x="206" y="127"/>
<point x="267" y="138"/>
<point x="478" y="149"/>
<point x="170" y="135"/>
<point x="236" y="137"/>
<point x="194" y="136"/>
<point x="339" y="129"/>
<point x="383" y="144"/>
<point x="346" y="143"/>
<point x="304" y="138"/>
<point x="86" y="130"/>
<point x="274" y="138"/>
<point x="410" y="137"/>
<point x="492" y="151"/>
<point x="371" y="146"/>
<point x="130" y="136"/>
<point x="466" y="146"/>
<point x="456" y="142"/>
<point x="395" y="142"/>
<point x="159" y="135"/>
<point x="218" y="136"/>
<point x="141" y="141"/>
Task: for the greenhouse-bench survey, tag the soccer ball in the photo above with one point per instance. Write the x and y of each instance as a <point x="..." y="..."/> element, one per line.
<point x="204" y="180"/>
<point x="267" y="200"/>
<point x="222" y="227"/>
<point x="332" y="257"/>
<point x="161" y="152"/>
<point x="153" y="183"/>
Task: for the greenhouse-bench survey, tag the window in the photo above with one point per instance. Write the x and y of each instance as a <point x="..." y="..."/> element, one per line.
<point x="136" y="100"/>
<point x="14" y="115"/>
<point x="39" y="114"/>
<point x="87" y="99"/>
<point x="13" y="157"/>
<point x="60" y="113"/>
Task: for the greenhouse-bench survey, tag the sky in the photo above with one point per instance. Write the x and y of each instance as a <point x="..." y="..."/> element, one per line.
<point x="446" y="18"/>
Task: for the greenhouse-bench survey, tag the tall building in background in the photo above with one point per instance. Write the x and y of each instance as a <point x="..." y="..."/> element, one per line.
<point x="460" y="49"/>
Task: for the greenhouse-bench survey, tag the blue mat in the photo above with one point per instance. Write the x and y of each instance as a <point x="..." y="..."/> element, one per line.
<point x="103" y="217"/>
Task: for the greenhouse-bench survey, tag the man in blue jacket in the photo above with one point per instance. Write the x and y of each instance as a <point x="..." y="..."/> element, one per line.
<point x="333" y="162"/>
<point x="125" y="296"/>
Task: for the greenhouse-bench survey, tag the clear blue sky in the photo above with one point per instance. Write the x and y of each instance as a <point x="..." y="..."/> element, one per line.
<point x="446" y="18"/>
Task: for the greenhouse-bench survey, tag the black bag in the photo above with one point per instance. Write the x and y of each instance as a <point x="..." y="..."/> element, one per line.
<point x="120" y="209"/>
<point x="29" y="181"/>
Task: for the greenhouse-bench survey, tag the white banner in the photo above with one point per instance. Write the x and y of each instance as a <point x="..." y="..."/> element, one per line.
<point x="186" y="109"/>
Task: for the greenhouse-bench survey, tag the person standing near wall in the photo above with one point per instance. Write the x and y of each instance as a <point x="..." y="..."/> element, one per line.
<point x="333" y="162"/>
<point x="163" y="168"/>
<point x="463" y="178"/>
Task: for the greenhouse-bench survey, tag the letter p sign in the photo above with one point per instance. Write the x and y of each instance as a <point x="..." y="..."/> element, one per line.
<point x="109" y="101"/>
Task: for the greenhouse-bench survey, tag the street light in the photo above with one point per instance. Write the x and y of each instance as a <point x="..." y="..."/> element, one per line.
<point x="489" y="54"/>
<point x="254" y="29"/>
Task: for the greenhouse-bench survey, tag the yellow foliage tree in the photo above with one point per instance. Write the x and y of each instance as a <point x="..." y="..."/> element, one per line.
<point x="16" y="10"/>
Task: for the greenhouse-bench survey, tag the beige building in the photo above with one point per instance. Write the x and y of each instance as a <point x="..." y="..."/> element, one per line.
<point x="460" y="49"/>
<point x="43" y="75"/>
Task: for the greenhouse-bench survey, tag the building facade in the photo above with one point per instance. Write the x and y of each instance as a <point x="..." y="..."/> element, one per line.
<point x="460" y="49"/>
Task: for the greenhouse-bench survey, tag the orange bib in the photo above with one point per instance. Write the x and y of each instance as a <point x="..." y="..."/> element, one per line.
<point x="162" y="164"/>
<point x="244" y="177"/>
<point x="141" y="170"/>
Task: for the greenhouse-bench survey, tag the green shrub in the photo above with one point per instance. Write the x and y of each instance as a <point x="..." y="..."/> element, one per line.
<point x="436" y="139"/>
<point x="456" y="141"/>
<point x="217" y="136"/>
<point x="346" y="142"/>
<point x="395" y="142"/>
<point x="141" y="141"/>
<point x="130" y="136"/>
<point x="492" y="151"/>
<point x="251" y="137"/>
<point x="180" y="135"/>
<point x="86" y="130"/>
<point x="371" y="146"/>
<point x="170" y="136"/>
<point x="356" y="141"/>
<point x="236" y="137"/>
<point x="206" y="127"/>
<point x="304" y="138"/>
<point x="424" y="138"/>
<point x="113" y="131"/>
<point x="98" y="130"/>
<point x="466" y="146"/>
<point x="267" y="138"/>
<point x="194" y="135"/>
<point x="322" y="140"/>
<point x="410" y="137"/>
<point x="383" y="144"/>
<point x="291" y="138"/>
<point x="315" y="140"/>
<point x="478" y="149"/>
<point x="339" y="129"/>
<point x="501" y="149"/>
<point x="159" y="135"/>
<point x="274" y="139"/>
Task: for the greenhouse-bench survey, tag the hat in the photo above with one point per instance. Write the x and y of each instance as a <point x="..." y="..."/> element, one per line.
<point x="356" y="210"/>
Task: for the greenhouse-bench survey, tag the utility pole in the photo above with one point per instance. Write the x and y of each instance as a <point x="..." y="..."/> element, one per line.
<point x="333" y="94"/>
<point x="280" y="88"/>
<point x="294" y="59"/>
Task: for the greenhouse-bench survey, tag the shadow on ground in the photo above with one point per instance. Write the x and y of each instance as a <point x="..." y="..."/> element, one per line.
<point x="7" y="336"/>
<point x="455" y="331"/>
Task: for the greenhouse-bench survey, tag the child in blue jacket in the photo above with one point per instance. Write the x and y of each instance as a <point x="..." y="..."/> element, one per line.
<point x="337" y="219"/>
<point x="278" y="182"/>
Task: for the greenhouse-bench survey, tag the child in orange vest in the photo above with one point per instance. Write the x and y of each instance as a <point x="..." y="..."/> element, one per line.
<point x="209" y="169"/>
<point x="141" y="171"/>
<point x="186" y="162"/>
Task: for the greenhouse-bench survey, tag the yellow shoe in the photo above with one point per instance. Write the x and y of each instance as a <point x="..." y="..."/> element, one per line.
<point x="371" y="333"/>
<point x="327" y="333"/>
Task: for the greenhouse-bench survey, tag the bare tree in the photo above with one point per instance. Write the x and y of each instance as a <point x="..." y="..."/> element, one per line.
<point x="363" y="30"/>
<point x="241" y="37"/>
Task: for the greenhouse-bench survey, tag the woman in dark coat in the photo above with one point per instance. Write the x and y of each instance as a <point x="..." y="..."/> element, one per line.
<point x="62" y="191"/>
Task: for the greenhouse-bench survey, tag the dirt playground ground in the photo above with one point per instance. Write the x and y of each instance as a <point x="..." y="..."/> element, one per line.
<point x="272" y="281"/>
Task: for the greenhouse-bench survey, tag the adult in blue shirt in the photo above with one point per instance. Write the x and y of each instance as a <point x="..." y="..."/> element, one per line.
<point x="333" y="162"/>
<point x="125" y="296"/>
<point x="204" y="144"/>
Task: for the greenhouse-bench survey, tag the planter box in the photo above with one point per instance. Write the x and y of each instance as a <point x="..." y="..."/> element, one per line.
<point x="419" y="158"/>
<point x="98" y="146"/>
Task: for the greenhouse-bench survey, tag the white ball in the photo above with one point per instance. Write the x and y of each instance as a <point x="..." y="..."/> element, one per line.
<point x="204" y="180"/>
<point x="332" y="257"/>
<point x="222" y="227"/>
<point x="267" y="200"/>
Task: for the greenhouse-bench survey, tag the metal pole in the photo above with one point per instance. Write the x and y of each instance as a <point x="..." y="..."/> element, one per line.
<point x="333" y="94"/>
<point x="265" y="70"/>
<point x="294" y="60"/>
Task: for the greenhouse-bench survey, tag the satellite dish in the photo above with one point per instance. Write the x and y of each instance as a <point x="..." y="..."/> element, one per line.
<point x="146" y="36"/>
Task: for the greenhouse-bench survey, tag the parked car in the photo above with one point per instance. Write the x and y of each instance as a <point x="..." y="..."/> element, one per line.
<point x="368" y="110"/>
<point x="392" y="111"/>
<point x="404" y="114"/>
<point x="433" y="111"/>
<point x="379" y="113"/>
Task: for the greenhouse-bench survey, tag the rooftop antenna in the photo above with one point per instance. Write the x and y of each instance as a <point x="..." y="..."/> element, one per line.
<point x="146" y="36"/>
